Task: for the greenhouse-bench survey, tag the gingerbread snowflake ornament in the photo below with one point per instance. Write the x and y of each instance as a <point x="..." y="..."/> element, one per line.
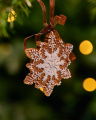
<point x="50" y="60"/>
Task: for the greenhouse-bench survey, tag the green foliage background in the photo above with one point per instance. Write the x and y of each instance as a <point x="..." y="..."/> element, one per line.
<point x="68" y="101"/>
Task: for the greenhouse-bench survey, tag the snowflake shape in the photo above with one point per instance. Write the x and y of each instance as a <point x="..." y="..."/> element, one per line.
<point x="49" y="63"/>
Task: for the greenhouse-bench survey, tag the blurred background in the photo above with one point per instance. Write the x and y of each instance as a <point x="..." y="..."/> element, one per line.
<point x="70" y="101"/>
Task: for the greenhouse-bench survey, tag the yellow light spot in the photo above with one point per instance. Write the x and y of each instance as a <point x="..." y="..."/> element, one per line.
<point x="11" y="16"/>
<point x="41" y="89"/>
<point x="89" y="84"/>
<point x="86" y="47"/>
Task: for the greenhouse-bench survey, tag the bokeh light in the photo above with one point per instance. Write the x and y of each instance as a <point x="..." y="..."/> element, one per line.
<point x="41" y="89"/>
<point x="89" y="84"/>
<point x="86" y="47"/>
<point x="11" y="16"/>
